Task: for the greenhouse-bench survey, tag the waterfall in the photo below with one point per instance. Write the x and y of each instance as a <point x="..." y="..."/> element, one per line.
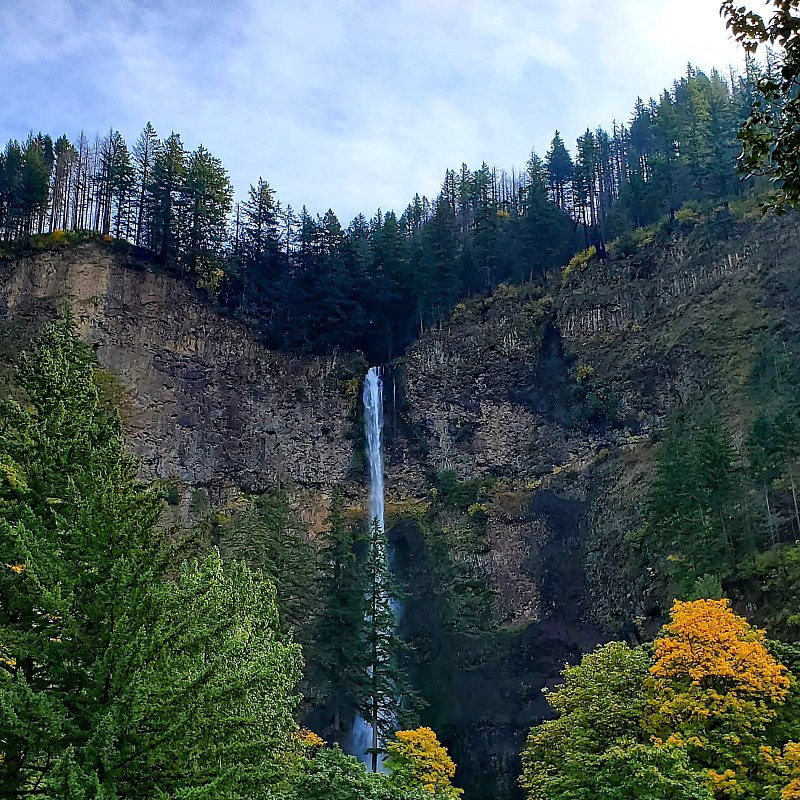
<point x="364" y="736"/>
<point x="373" y="425"/>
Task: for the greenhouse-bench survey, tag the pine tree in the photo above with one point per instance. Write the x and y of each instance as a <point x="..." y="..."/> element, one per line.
<point x="206" y="197"/>
<point x="165" y="188"/>
<point x="116" y="180"/>
<point x="337" y="656"/>
<point x="144" y="155"/>
<point x="64" y="164"/>
<point x="11" y="165"/>
<point x="33" y="189"/>
<point x="269" y="537"/>
<point x="559" y="172"/>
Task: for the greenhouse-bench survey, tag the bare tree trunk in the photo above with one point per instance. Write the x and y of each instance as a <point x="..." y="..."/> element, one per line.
<point x="770" y="521"/>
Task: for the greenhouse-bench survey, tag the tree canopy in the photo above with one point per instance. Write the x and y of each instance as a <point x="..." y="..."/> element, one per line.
<point x="121" y="672"/>
<point x="693" y="717"/>
<point x="771" y="132"/>
<point x="316" y="284"/>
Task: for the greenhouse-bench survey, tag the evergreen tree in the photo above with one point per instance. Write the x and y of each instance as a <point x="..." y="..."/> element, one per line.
<point x="386" y="701"/>
<point x="690" y="519"/>
<point x="438" y="279"/>
<point x="65" y="156"/>
<point x="337" y="656"/>
<point x="144" y="155"/>
<point x="270" y="538"/>
<point x="558" y="164"/>
<point x="117" y="181"/>
<point x="33" y="187"/>
<point x="164" y="191"/>
<point x="116" y="679"/>
<point x="206" y="197"/>
<point x="10" y="180"/>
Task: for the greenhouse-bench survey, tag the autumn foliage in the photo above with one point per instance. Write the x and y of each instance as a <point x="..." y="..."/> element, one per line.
<point x="706" y="646"/>
<point x="714" y="689"/>
<point x="418" y="757"/>
<point x="713" y="714"/>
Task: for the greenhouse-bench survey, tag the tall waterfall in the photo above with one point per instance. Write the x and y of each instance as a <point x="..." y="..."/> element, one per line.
<point x="364" y="738"/>
<point x="373" y="424"/>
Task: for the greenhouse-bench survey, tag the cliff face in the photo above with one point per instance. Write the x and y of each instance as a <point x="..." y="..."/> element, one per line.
<point x="204" y="403"/>
<point x="542" y="405"/>
<point x="559" y="398"/>
<point x="565" y="390"/>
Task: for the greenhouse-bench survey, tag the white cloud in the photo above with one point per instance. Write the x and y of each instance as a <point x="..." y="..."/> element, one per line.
<point x="344" y="103"/>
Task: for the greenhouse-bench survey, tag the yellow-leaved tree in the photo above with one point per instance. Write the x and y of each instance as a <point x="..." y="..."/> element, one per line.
<point x="416" y="758"/>
<point x="713" y="689"/>
<point x="791" y="766"/>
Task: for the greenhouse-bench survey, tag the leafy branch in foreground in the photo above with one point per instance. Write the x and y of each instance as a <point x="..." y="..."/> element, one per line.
<point x="771" y="134"/>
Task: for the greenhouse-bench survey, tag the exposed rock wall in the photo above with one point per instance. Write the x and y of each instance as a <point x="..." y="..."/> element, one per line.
<point x="205" y="403"/>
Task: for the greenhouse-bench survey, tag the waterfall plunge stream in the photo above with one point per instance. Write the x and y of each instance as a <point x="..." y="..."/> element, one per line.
<point x="364" y="738"/>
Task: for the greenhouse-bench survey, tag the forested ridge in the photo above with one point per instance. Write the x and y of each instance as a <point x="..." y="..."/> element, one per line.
<point x="307" y="283"/>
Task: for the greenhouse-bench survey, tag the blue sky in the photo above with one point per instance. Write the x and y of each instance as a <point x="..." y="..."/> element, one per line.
<point x="348" y="104"/>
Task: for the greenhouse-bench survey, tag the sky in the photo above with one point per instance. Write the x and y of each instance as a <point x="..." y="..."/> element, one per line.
<point x="352" y="105"/>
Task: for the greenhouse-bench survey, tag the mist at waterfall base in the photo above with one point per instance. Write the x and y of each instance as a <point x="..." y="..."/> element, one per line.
<point x="361" y="738"/>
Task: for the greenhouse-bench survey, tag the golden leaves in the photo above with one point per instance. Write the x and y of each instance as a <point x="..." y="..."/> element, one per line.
<point x="418" y="755"/>
<point x="309" y="739"/>
<point x="706" y="643"/>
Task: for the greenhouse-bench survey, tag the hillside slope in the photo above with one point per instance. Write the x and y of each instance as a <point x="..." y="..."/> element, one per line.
<point x="549" y="405"/>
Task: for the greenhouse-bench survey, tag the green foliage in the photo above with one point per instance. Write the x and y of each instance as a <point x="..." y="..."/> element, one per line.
<point x="455" y="493"/>
<point x="691" y="521"/>
<point x="595" y="402"/>
<point x="337" y="657"/>
<point x="171" y="492"/>
<point x="707" y="587"/>
<point x="579" y="260"/>
<point x="775" y="573"/>
<point x="771" y="133"/>
<point x="116" y="678"/>
<point x="387" y="700"/>
<point x="709" y="714"/>
<point x="722" y="520"/>
<point x="332" y="775"/>
<point x="596" y="747"/>
<point x="455" y="528"/>
<point x="209" y="700"/>
<point x="270" y="537"/>
<point x="356" y="657"/>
